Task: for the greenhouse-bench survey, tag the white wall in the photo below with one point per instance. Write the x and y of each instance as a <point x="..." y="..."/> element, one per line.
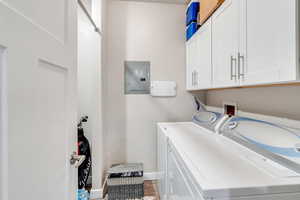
<point x="280" y="101"/>
<point x="89" y="91"/>
<point x="142" y="31"/>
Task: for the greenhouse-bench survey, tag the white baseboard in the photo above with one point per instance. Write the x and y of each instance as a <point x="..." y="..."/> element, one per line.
<point x="151" y="176"/>
<point x="96" y="194"/>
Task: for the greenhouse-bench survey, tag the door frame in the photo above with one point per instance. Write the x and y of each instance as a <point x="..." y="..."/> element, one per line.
<point x="3" y="126"/>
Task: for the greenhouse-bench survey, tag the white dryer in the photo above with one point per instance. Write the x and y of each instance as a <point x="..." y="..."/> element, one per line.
<point x="248" y="160"/>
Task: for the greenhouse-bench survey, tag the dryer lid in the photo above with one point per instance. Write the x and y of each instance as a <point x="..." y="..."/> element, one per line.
<point x="276" y="142"/>
<point x="207" y="119"/>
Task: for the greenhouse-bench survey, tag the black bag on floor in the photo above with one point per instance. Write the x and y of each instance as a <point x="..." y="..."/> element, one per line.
<point x="85" y="168"/>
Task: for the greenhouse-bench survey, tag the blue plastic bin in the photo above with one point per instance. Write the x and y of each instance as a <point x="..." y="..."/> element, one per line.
<point x="191" y="30"/>
<point x="82" y="194"/>
<point x="192" y="12"/>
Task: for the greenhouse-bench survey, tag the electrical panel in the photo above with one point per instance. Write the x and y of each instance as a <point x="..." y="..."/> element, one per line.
<point x="137" y="77"/>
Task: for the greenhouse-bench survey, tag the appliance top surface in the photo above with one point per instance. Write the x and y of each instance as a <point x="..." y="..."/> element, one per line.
<point x="222" y="167"/>
<point x="270" y="139"/>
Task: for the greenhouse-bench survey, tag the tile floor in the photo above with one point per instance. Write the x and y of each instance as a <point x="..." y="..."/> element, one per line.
<point x="150" y="191"/>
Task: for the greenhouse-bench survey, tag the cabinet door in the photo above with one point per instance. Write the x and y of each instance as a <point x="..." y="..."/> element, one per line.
<point x="191" y="48"/>
<point x="270" y="41"/>
<point x="162" y="163"/>
<point x="188" y="66"/>
<point x="203" y="71"/>
<point x="225" y="43"/>
<point x="178" y="187"/>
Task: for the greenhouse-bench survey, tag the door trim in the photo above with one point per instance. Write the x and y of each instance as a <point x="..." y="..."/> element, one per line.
<point x="3" y="126"/>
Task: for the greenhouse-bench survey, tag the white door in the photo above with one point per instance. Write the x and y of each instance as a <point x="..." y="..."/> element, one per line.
<point x="191" y="49"/>
<point x="225" y="43"/>
<point x="38" y="99"/>
<point x="270" y="38"/>
<point x="203" y="57"/>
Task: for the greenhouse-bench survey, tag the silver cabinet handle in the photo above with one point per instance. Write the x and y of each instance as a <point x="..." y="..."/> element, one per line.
<point x="232" y="59"/>
<point x="193" y="78"/>
<point x="241" y="69"/>
<point x="196" y="78"/>
<point x="194" y="83"/>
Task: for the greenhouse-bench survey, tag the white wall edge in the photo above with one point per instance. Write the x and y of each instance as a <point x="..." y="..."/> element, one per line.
<point x="3" y="126"/>
<point x="151" y="176"/>
<point x="96" y="194"/>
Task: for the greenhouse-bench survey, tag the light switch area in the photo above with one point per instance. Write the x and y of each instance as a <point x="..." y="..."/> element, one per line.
<point x="163" y="89"/>
<point x="137" y="77"/>
<point x="230" y="108"/>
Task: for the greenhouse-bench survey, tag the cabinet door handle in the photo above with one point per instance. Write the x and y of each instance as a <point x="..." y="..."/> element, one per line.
<point x="196" y="78"/>
<point x="232" y="59"/>
<point x="193" y="78"/>
<point x="241" y="69"/>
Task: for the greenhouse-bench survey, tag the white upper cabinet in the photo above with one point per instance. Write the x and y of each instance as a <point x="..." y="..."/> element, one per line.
<point x="191" y="50"/>
<point x="225" y="41"/>
<point x="199" y="60"/>
<point x="269" y="41"/>
<point x="249" y="43"/>
<point x="203" y="57"/>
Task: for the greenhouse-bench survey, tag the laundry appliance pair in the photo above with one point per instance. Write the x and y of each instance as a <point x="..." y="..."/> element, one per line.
<point x="217" y="157"/>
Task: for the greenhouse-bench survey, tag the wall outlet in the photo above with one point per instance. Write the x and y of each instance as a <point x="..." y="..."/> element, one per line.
<point x="230" y="108"/>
